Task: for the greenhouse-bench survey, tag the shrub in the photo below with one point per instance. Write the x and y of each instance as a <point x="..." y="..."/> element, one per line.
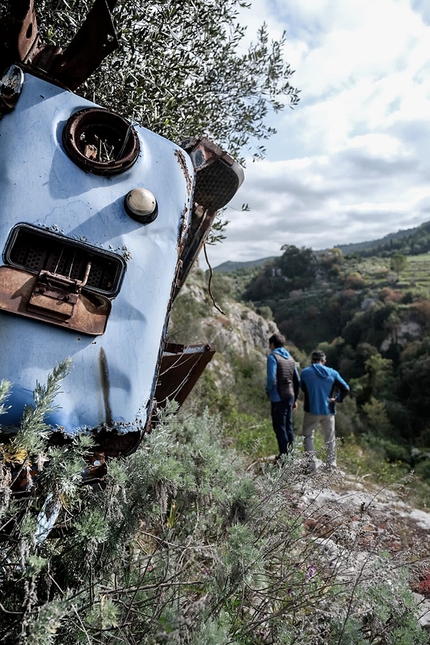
<point x="265" y="312"/>
<point x="183" y="545"/>
<point x="354" y="280"/>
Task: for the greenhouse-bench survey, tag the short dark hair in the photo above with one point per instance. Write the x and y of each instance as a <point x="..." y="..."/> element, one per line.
<point x="317" y="356"/>
<point x="277" y="339"/>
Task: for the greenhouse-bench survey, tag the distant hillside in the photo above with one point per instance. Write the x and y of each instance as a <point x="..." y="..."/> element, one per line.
<point x="372" y="244"/>
<point x="230" y="267"/>
<point x="410" y="241"/>
<point x="414" y="241"/>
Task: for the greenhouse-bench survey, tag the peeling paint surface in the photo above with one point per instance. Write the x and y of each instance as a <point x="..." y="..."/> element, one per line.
<point x="113" y="375"/>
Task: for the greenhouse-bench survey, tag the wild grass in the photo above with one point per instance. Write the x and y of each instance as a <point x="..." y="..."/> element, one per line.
<point x="184" y="545"/>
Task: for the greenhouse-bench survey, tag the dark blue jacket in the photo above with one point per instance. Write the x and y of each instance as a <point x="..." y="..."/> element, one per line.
<point x="321" y="383"/>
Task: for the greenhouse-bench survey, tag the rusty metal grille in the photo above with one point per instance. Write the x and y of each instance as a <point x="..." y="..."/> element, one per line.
<point x="215" y="185"/>
<point x="34" y="250"/>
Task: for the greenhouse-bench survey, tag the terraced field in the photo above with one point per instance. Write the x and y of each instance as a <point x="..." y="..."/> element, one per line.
<point x="377" y="273"/>
<point x="417" y="271"/>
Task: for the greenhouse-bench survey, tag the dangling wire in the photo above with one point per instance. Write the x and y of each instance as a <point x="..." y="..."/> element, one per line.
<point x="210" y="282"/>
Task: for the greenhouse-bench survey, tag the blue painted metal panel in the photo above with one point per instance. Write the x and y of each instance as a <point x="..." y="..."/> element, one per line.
<point x="42" y="186"/>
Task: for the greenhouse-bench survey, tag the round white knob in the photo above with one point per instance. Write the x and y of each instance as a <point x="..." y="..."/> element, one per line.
<point x="141" y="205"/>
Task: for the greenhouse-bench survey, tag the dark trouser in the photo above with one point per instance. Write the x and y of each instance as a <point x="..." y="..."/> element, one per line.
<point x="282" y="420"/>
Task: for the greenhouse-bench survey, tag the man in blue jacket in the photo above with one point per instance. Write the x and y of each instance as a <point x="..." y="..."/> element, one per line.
<point x="282" y="387"/>
<point x="323" y="387"/>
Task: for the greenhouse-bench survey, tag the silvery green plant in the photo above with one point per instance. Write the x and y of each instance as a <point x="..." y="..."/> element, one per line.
<point x="185" y="545"/>
<point x="184" y="68"/>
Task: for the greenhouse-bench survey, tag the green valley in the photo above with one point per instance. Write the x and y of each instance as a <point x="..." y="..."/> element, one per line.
<point x="369" y="314"/>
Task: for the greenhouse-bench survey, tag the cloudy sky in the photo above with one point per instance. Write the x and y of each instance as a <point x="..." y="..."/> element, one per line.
<point x="352" y="161"/>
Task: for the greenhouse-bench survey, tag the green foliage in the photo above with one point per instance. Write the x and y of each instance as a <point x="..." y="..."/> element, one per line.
<point x="250" y="383"/>
<point x="184" y="545"/>
<point x="388" y="450"/>
<point x="218" y="228"/>
<point x="242" y="404"/>
<point x="354" y="280"/>
<point x="182" y="69"/>
<point x="294" y="269"/>
<point x="222" y="288"/>
<point x="377" y="380"/>
<point x="398" y="263"/>
<point x="297" y="265"/>
<point x="415" y="380"/>
<point x="266" y="312"/>
<point x="4" y="393"/>
<point x="422" y="469"/>
<point x="32" y="431"/>
<point x="185" y="320"/>
<point x="348" y="420"/>
<point x="207" y="395"/>
<point x="420" y="312"/>
<point x="252" y="435"/>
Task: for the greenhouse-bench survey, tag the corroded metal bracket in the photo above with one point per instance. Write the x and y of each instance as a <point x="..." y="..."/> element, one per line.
<point x="20" y="42"/>
<point x="53" y="279"/>
<point x="19" y="36"/>
<point x="47" y="299"/>
<point x="218" y="177"/>
<point x="181" y="367"/>
<point x="95" y="40"/>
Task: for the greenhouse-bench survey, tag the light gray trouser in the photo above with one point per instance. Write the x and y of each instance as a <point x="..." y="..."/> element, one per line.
<point x="310" y="423"/>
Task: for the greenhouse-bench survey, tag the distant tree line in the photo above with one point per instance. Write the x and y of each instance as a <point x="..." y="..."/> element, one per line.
<point x="411" y="243"/>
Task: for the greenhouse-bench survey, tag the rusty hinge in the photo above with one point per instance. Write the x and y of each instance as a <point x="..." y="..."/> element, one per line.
<point x="56" y="294"/>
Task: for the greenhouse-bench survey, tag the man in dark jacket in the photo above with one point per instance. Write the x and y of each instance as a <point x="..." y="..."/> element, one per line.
<point x="323" y="388"/>
<point x="282" y="387"/>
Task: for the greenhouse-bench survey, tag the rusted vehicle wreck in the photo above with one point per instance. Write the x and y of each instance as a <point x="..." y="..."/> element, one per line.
<point x="101" y="222"/>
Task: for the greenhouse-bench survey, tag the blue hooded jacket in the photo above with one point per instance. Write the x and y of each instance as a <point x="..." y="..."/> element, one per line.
<point x="271" y="388"/>
<point x="319" y="384"/>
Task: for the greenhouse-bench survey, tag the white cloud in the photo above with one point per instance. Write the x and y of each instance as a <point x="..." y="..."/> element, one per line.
<point x="352" y="161"/>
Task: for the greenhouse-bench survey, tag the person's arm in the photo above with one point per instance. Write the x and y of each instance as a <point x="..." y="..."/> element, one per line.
<point x="296" y="384"/>
<point x="304" y="388"/>
<point x="271" y="373"/>
<point x="296" y="388"/>
<point x="343" y="388"/>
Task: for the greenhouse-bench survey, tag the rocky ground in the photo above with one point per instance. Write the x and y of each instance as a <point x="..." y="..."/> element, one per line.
<point x="351" y="521"/>
<point x="374" y="520"/>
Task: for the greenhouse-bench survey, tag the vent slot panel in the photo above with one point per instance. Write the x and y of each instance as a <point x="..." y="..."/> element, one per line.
<point x="34" y="250"/>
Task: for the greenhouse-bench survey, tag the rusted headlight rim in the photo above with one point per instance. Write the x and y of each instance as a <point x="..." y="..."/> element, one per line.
<point x="114" y="124"/>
